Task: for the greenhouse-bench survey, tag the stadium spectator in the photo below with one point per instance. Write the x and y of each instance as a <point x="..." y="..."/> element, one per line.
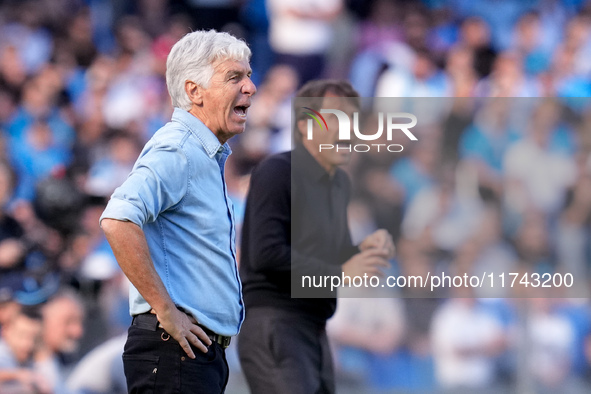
<point x="63" y="317"/>
<point x="20" y="337"/>
<point x="466" y="341"/>
<point x="300" y="33"/>
<point x="539" y="168"/>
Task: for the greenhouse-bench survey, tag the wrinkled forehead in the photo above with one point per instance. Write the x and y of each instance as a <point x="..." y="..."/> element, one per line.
<point x="227" y="64"/>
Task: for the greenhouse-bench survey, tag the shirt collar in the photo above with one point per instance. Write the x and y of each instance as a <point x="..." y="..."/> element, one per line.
<point x="210" y="142"/>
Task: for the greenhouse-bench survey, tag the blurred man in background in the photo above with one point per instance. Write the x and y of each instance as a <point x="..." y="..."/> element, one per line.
<point x="20" y="336"/>
<point x="63" y="319"/>
<point x="283" y="345"/>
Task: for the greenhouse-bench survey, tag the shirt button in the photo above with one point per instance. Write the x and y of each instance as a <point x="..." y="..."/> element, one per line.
<point x="183" y="358"/>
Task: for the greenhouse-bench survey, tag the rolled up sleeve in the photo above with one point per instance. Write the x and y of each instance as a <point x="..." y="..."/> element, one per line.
<point x="158" y="182"/>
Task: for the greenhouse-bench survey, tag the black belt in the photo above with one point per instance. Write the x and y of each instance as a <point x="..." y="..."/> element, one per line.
<point x="150" y="321"/>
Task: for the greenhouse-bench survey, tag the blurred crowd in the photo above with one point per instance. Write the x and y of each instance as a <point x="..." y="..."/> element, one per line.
<point x="492" y="187"/>
<point x="497" y="184"/>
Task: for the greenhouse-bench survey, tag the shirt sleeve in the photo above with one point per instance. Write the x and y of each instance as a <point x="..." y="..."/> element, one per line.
<point x="158" y="182"/>
<point x="269" y="216"/>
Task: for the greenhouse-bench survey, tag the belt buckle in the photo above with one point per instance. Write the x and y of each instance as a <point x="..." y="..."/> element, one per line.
<point x="225" y="342"/>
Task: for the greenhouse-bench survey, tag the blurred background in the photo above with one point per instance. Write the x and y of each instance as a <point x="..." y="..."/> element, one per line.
<point x="494" y="183"/>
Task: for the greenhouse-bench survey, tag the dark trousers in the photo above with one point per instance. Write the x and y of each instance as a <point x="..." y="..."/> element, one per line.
<point x="282" y="352"/>
<point x="154" y="362"/>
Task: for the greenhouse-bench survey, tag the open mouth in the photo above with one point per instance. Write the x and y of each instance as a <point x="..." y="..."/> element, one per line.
<point x="241" y="110"/>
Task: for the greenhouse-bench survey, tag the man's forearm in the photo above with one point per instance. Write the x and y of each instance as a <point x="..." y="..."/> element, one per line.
<point x="129" y="245"/>
<point x="133" y="255"/>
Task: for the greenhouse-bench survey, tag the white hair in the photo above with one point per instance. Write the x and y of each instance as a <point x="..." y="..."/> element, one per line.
<point x="192" y="58"/>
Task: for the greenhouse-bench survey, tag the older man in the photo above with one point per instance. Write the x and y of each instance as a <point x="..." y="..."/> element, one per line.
<point x="171" y="224"/>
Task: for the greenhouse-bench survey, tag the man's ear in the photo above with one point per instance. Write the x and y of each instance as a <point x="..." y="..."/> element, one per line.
<point x="302" y="128"/>
<point x="194" y="92"/>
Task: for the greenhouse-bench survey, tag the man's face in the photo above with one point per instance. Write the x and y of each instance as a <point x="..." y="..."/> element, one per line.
<point x="22" y="335"/>
<point x="63" y="325"/>
<point x="329" y="159"/>
<point x="226" y="100"/>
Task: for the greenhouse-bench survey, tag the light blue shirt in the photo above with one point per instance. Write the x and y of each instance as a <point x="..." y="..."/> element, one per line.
<point x="177" y="194"/>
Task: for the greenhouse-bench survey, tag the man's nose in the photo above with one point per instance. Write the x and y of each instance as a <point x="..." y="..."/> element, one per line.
<point x="249" y="88"/>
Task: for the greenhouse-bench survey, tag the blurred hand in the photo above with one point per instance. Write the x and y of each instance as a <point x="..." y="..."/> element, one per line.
<point x="41" y="385"/>
<point x="380" y="239"/>
<point x="11" y="252"/>
<point x="370" y="262"/>
<point x="33" y="381"/>
<point x="25" y="376"/>
<point x="185" y="330"/>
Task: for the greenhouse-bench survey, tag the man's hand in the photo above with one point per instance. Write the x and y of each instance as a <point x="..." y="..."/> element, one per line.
<point x="370" y="261"/>
<point x="133" y="255"/>
<point x="380" y="239"/>
<point x="184" y="329"/>
<point x="30" y="380"/>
